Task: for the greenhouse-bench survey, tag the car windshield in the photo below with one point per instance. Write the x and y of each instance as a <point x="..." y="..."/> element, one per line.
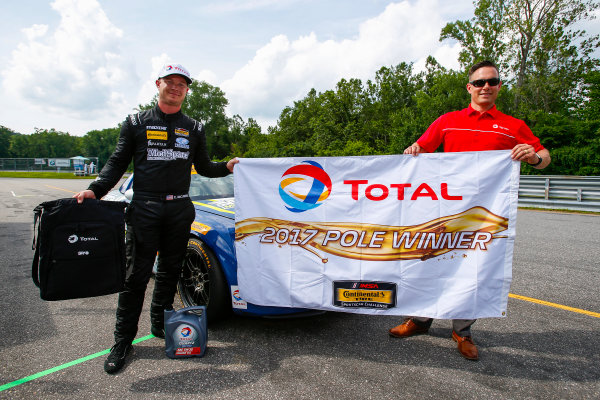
<point x="202" y="188"/>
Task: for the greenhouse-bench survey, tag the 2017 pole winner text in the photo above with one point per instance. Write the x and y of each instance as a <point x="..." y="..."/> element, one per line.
<point x="379" y="239"/>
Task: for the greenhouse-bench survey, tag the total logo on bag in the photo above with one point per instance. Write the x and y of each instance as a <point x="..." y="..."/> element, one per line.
<point x="75" y="238"/>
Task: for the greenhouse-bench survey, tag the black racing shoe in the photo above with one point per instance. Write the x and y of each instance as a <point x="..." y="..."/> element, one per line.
<point x="116" y="359"/>
<point x="157" y="332"/>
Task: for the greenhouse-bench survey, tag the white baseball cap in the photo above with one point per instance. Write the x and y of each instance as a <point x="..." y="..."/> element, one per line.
<point x="175" y="69"/>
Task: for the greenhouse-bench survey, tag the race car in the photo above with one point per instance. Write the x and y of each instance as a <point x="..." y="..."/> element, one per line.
<point x="209" y="275"/>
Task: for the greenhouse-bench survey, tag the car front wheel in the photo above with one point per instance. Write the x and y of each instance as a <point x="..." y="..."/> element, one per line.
<point x="202" y="282"/>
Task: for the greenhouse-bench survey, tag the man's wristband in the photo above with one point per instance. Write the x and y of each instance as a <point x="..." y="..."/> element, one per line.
<point x="539" y="161"/>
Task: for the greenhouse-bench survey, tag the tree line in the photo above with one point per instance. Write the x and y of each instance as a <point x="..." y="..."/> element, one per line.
<point x="550" y="79"/>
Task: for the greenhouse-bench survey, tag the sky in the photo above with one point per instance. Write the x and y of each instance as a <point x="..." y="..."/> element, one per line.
<point x="81" y="65"/>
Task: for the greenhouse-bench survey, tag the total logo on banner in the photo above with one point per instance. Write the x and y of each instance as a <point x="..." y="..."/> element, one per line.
<point x="306" y="186"/>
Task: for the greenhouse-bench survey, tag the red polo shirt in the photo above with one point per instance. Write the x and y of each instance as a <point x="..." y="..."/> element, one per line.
<point x="468" y="130"/>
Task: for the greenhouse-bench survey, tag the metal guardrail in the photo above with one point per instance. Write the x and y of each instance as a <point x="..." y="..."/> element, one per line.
<point x="580" y="193"/>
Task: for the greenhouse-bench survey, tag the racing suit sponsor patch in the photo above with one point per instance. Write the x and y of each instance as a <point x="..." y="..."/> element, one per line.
<point x="182" y="143"/>
<point x="166" y="154"/>
<point x="159" y="144"/>
<point x="157" y="135"/>
<point x="181" y="132"/>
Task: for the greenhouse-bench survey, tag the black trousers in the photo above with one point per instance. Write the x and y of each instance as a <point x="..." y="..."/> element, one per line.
<point x="152" y="226"/>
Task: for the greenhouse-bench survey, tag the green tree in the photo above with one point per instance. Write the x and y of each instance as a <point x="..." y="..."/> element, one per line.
<point x="100" y="143"/>
<point x="240" y="133"/>
<point x="5" y="135"/>
<point x="340" y="118"/>
<point x="381" y="117"/>
<point x="574" y="144"/>
<point x="206" y="103"/>
<point x="295" y="128"/>
<point x="19" y="146"/>
<point x="482" y="36"/>
<point x="261" y="145"/>
<point x="588" y="104"/>
<point x="389" y="113"/>
<point x="321" y="124"/>
<point x="45" y="143"/>
<point x="535" y="43"/>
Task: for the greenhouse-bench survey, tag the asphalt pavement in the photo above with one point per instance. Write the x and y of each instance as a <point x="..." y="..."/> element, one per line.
<point x="547" y="347"/>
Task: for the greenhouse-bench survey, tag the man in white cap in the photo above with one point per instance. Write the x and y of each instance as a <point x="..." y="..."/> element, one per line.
<point x="163" y="144"/>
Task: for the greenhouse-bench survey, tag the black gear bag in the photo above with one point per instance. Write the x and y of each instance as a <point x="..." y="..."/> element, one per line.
<point x="80" y="248"/>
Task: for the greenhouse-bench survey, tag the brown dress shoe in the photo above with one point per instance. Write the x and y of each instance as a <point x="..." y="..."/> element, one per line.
<point x="407" y="328"/>
<point x="466" y="347"/>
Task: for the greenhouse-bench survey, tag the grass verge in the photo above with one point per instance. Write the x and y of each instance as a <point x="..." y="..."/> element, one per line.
<point x="559" y="210"/>
<point x="46" y="175"/>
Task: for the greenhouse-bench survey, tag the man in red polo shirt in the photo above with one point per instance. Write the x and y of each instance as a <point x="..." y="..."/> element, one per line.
<point x="478" y="127"/>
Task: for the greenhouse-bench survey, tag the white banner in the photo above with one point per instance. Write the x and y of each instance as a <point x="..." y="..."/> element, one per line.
<point x="427" y="236"/>
<point x="59" y="162"/>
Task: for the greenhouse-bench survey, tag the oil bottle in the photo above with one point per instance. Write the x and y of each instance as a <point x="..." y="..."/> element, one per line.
<point x="186" y="334"/>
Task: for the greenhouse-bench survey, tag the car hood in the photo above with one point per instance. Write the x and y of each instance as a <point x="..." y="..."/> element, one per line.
<point x="224" y="207"/>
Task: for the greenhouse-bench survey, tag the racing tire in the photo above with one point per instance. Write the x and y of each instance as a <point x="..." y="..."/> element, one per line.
<point x="202" y="282"/>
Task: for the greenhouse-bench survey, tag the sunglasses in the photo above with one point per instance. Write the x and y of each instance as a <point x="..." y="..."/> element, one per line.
<point x="482" y="82"/>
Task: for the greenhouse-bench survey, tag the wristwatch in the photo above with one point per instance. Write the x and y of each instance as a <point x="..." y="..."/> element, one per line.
<point x="539" y="161"/>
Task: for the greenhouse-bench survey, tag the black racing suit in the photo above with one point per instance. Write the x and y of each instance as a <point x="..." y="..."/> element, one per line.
<point x="163" y="148"/>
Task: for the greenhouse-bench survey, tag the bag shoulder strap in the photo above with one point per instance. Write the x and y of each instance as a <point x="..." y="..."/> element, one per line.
<point x="35" y="267"/>
<point x="37" y="213"/>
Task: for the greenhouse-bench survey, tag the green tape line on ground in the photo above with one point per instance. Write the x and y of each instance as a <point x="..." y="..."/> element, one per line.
<point x="63" y="366"/>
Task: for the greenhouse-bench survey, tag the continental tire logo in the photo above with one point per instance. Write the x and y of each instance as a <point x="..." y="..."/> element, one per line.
<point x="381" y="295"/>
<point x="156" y="135"/>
